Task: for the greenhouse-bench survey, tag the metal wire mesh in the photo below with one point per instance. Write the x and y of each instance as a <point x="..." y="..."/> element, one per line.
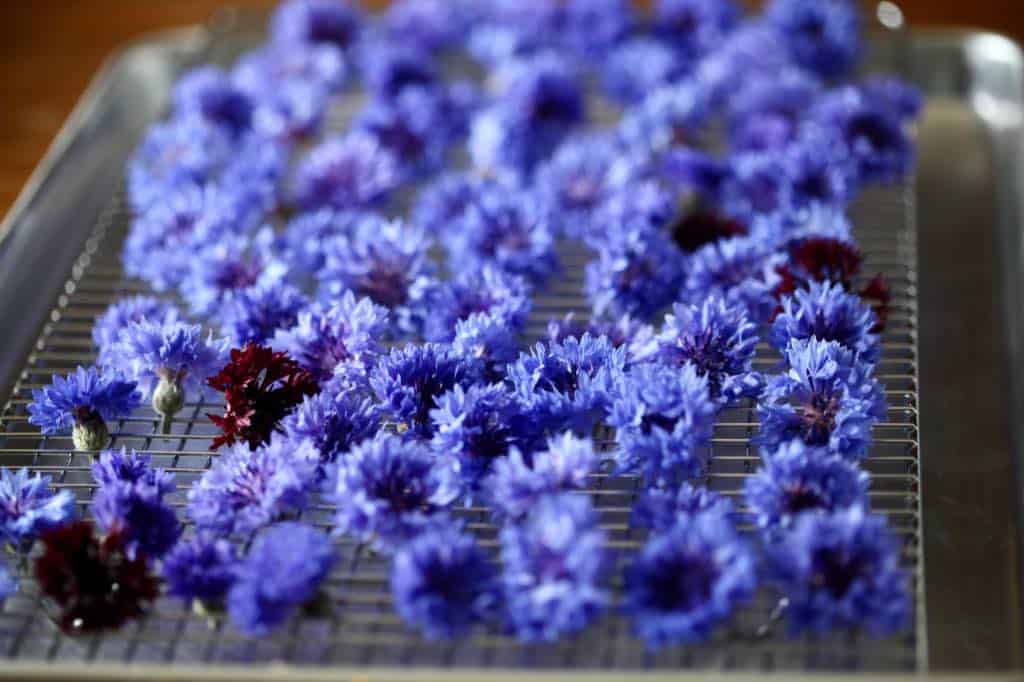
<point x="359" y="627"/>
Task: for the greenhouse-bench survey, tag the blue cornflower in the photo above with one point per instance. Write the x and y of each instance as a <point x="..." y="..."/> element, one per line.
<point x="307" y="234"/>
<point x="826" y="312"/>
<point x="799" y="478"/>
<point x="82" y="402"/>
<point x="291" y="111"/>
<point x="332" y="22"/>
<point x="384" y="261"/>
<point x="765" y="114"/>
<point x="29" y="508"/>
<point x="409" y="381"/>
<point x="578" y="178"/>
<point x="333" y="421"/>
<point x="756" y="185"/>
<point x="247" y="489"/>
<point x="221" y="269"/>
<point x="350" y="172"/>
<point x="663" y="418"/>
<point x="445" y="200"/>
<point x="282" y="570"/>
<point x="274" y="65"/>
<point x="593" y="27"/>
<point x="203" y="567"/>
<point x="122" y="314"/>
<point x="660" y="509"/>
<point x="554" y="569"/>
<point x="487" y="291"/>
<point x="387" y="489"/>
<point x="687" y="580"/>
<point x="817" y="174"/>
<point x="477" y="426"/>
<point x="841" y="570"/>
<point x="824" y="36"/>
<point x="520" y="481"/>
<point x="8" y="582"/>
<point x="639" y="66"/>
<point x="694" y="27"/>
<point x="826" y="399"/>
<point x="256" y="313"/>
<point x="541" y="102"/>
<point x="428" y="25"/>
<point x="131" y="468"/>
<point x="719" y="340"/>
<point x="331" y="340"/>
<point x="698" y="178"/>
<point x="741" y="271"/>
<point x="567" y="385"/>
<point x="627" y="332"/>
<point x="670" y="116"/>
<point x="168" y="360"/>
<point x="903" y="98"/>
<point x="870" y="133"/>
<point x="442" y="582"/>
<point x="637" y="272"/>
<point x="512" y="28"/>
<point x="389" y="68"/>
<point x="208" y="92"/>
<point x="412" y="125"/>
<point x="253" y="178"/>
<point x="164" y="237"/>
<point x="175" y="153"/>
<point x="507" y="228"/>
<point x="486" y="340"/>
<point x="751" y="51"/>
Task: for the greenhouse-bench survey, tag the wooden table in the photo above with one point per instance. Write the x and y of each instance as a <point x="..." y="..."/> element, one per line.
<point x="49" y="49"/>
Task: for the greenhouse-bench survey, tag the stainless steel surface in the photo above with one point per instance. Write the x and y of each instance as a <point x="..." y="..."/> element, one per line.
<point x="72" y="204"/>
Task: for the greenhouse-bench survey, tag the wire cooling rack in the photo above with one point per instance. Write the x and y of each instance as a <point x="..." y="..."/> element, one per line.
<point x="358" y="627"/>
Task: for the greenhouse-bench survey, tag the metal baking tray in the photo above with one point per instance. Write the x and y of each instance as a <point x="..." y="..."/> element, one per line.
<point x="945" y="463"/>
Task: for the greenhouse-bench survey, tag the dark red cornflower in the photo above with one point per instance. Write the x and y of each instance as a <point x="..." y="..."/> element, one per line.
<point x="877" y="290"/>
<point x="260" y="388"/>
<point x="95" y="584"/>
<point x="694" y="229"/>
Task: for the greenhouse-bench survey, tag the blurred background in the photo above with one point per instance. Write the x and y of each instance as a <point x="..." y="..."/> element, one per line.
<point x="49" y="49"/>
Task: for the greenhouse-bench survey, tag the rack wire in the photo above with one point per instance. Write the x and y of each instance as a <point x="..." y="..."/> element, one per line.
<point x="359" y="627"/>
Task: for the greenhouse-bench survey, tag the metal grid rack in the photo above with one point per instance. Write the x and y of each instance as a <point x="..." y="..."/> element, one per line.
<point x="360" y="627"/>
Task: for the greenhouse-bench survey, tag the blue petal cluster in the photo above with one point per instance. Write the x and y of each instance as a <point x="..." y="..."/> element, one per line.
<point x="202" y="567"/>
<point x="826" y="312"/>
<point x="694" y="27"/>
<point x="824" y="36"/>
<point x="255" y="314"/>
<point x="660" y="509"/>
<point x="78" y="398"/>
<point x="740" y="270"/>
<point x="486" y="292"/>
<point x="333" y="421"/>
<point x="346" y="173"/>
<point x="332" y="22"/>
<point x="29" y="508"/>
<point x="122" y="314"/>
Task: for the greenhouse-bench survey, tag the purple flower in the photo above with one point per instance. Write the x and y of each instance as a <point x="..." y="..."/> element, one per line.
<point x="350" y="172"/>
<point x="203" y="567"/>
<point x="521" y="480"/>
<point x="507" y="228"/>
<point x="751" y="51"/>
<point x="442" y="582"/>
<point x="82" y="402"/>
<point x="817" y="174"/>
<point x="902" y="97"/>
<point x="334" y="22"/>
<point x="798" y="478"/>
<point x="29" y="508"/>
<point x="384" y="261"/>
<point x="282" y="570"/>
<point x="386" y="490"/>
<point x="140" y="516"/>
<point x="390" y="68"/>
<point x="477" y="426"/>
<point x="412" y="125"/>
<point x="827" y="399"/>
<point x="274" y="65"/>
<point x="627" y="332"/>
<point x="172" y="154"/>
<point x="719" y="340"/>
<point x="824" y="36"/>
<point x="670" y="116"/>
<point x="152" y="352"/>
<point x="740" y="270"/>
<point x="134" y="469"/>
<point x="208" y="92"/>
<point x="489" y="291"/>
<point x="554" y="569"/>
<point x="291" y="111"/>
<point x="221" y="269"/>
<point x="428" y="25"/>
<point x="695" y="27"/>
<point x="687" y="580"/>
<point x="409" y="381"/>
<point x="663" y="418"/>
<point x="660" y="509"/>
<point x="255" y="314"/>
<point x="756" y="184"/>
<point x="592" y="27"/>
<point x="639" y="66"/>
<point x="247" y="489"/>
<point x="333" y="421"/>
<point x="307" y="234"/>
<point x="841" y="570"/>
<point x="567" y="386"/>
<point x="637" y="272"/>
<point x="331" y="340"/>
<point x="870" y="133"/>
<point x="766" y="113"/>
<point x="486" y="340"/>
<point x="444" y="201"/>
<point x="826" y="312"/>
<point x="122" y="314"/>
